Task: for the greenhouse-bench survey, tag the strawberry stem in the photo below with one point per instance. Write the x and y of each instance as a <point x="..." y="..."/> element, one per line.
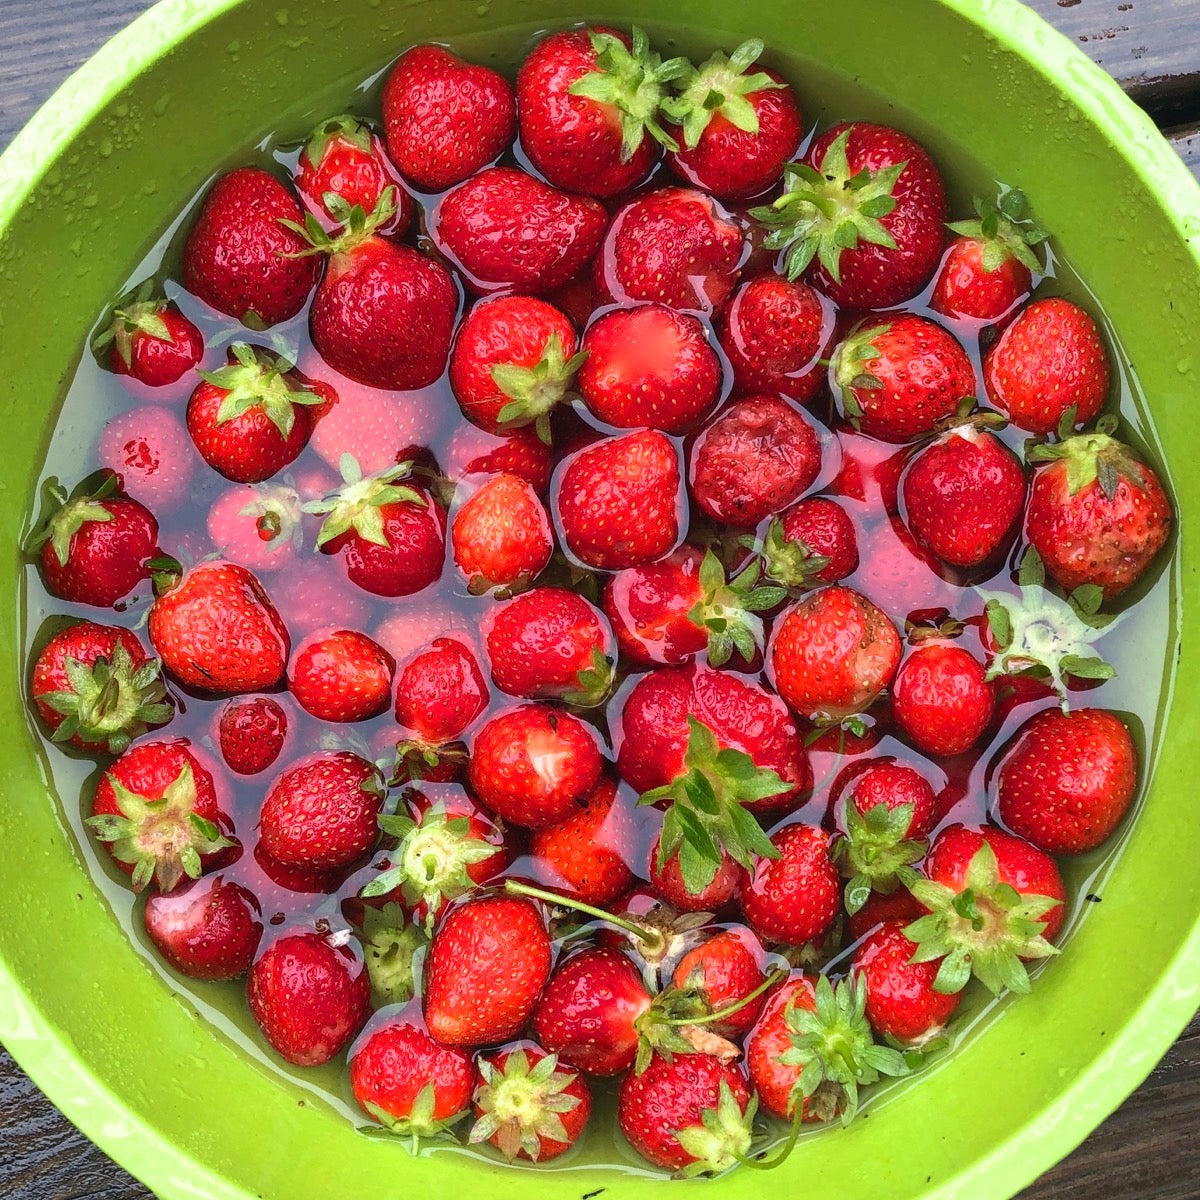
<point x="776" y="976"/>
<point x="651" y="939"/>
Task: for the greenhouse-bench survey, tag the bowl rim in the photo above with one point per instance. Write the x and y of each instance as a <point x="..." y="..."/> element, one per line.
<point x="45" y="1053"/>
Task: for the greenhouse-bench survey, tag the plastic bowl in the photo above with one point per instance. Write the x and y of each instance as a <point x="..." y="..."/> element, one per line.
<point x="85" y="190"/>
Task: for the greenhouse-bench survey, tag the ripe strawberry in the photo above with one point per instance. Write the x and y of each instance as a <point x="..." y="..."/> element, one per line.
<point x="880" y="907"/>
<point x="737" y="130"/>
<point x="440" y="692"/>
<point x="757" y="457"/>
<point x="833" y="653"/>
<point x="1050" y="361"/>
<point x="259" y="527"/>
<point x="726" y="968"/>
<point x="96" y="688"/>
<point x="151" y="455"/>
<point x="533" y="764"/>
<point x="309" y="996"/>
<point x="793" y="895"/>
<point x="618" y="501"/>
<point x="649" y="365"/>
<point x="773" y="333"/>
<point x="964" y="495"/>
<point x="675" y="246"/>
<point x="586" y="101"/>
<point x="321" y="811"/>
<point x="1067" y="780"/>
<point x="156" y="809"/>
<point x="812" y="543"/>
<point x="867" y="203"/>
<point x="216" y="630"/>
<point x="251" y="732"/>
<point x="898" y="575"/>
<point x="486" y="968"/>
<point x="527" y="1106"/>
<point x="314" y="591"/>
<point x="508" y="231"/>
<point x="1097" y="515"/>
<point x="668" y="882"/>
<point x="942" y="699"/>
<point x="501" y="536"/>
<point x="242" y="257"/>
<point x="341" y="675"/>
<point x="521" y="453"/>
<point x="207" y="930"/>
<point x="150" y="341"/>
<point x="406" y="1081"/>
<point x="512" y="364"/>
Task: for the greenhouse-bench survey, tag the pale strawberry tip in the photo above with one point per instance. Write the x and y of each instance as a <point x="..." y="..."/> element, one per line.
<point x="522" y="1106"/>
<point x="874" y="853"/>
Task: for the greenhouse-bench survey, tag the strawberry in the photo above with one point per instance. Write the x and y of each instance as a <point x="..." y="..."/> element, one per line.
<point x="390" y="945"/>
<point x="501" y="536"/>
<point x="773" y="333"/>
<point x="942" y="699"/>
<point x="649" y="365"/>
<point x="586" y="101"/>
<point x="257" y="526"/>
<point x="757" y="457"/>
<point x="676" y="246"/>
<point x="508" y="231"/>
<point x="833" y="653"/>
<point x="813" y="542"/>
<point x="208" y="930"/>
<point x="243" y="257"/>
<point x="314" y="592"/>
<point x="156" y="809"/>
<point x="521" y="453"/>
<point x="898" y="574"/>
<point x="216" y="630"/>
<point x="618" y="501"/>
<point x="406" y="1081"/>
<point x="737" y="130"/>
<point x="440" y="692"/>
<point x="880" y="907"/>
<point x="867" y="204"/>
<point x="993" y="902"/>
<point x="532" y="764"/>
<point x="551" y="644"/>
<point x="96" y="688"/>
<point x="252" y="417"/>
<point x="513" y="361"/>
<point x="321" y="811"/>
<point x="898" y="376"/>
<point x="964" y="495"/>
<point x="1049" y="362"/>
<point x="666" y="877"/>
<point x="309" y="995"/>
<point x="341" y="675"/>
<point x="527" y="1106"/>
<point x="150" y="341"/>
<point x="870" y="470"/>
<point x="1067" y="780"/>
<point x="1097" y="515"/>
<point x="723" y="970"/>
<point x="151" y="455"/>
<point x="793" y="894"/>
<point x="486" y="968"/>
<point x="251" y="732"/>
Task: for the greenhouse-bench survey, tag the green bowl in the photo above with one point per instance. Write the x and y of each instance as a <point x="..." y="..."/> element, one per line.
<point x="84" y="192"/>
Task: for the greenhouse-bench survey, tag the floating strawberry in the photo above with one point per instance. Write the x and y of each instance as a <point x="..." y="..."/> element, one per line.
<point x="149" y="340"/>
<point x="814" y="542"/>
<point x="942" y="699"/>
<point x="666" y="878"/>
<point x="207" y="930"/>
<point x="341" y="675"/>
<point x="792" y="894"/>
<point x="259" y="527"/>
<point x="251" y="732"/>
<point x="151" y="456"/>
<point x="722" y="971"/>
<point x="501" y="536"/>
<point x="439" y="694"/>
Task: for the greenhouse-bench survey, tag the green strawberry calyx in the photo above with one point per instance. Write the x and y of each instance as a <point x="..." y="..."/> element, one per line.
<point x="720" y="86"/>
<point x="1004" y="229"/>
<point x="1092" y="458"/>
<point x="594" y="682"/>
<point x="357" y="506"/>
<point x="163" y="839"/>
<point x="416" y="760"/>
<point x="825" y="210"/>
<point x="277" y="513"/>
<point x="791" y="563"/>
<point x="390" y="944"/>
<point x="984" y="930"/>
<point x="63" y="515"/>
<point x="257" y="379"/>
<point x="729" y="610"/>
<point x="851" y="373"/>
<point x="140" y="312"/>
<point x="420" y="1124"/>
<point x="342" y="128"/>
<point x="534" y="392"/>
<point x="630" y="79"/>
<point x="354" y="224"/>
<point x="522" y="1106"/>
<point x="876" y="853"/>
<point x="723" y="1137"/>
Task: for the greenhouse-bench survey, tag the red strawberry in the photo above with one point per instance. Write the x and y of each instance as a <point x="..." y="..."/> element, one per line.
<point x="486" y="968"/>
<point x="1067" y="780"/>
<point x="149" y="451"/>
<point x="96" y="688"/>
<point x="793" y="896"/>
<point x="321" y="811"/>
<point x="217" y="631"/>
<point x="257" y="526"/>
<point x="501" y="536"/>
<point x="512" y="364"/>
<point x="668" y="882"/>
<point x="773" y="333"/>
<point x="445" y="118"/>
<point x="308" y="996"/>
<point x="737" y="130"/>
<point x="157" y="811"/>
<point x="833" y="653"/>
<point x="675" y="246"/>
<point x="521" y="453"/>
<point x="812" y="543"/>
<point x="898" y="906"/>
<point x="964" y="495"/>
<point x="406" y="1081"/>
<point x="1097" y="515"/>
<point x="510" y="232"/>
<point x="208" y="930"/>
<point x="867" y="204"/>
<point x="649" y="365"/>
<point x="726" y="968"/>
<point x="251" y="732"/>
<point x="757" y="457"/>
<point x="527" y="1106"/>
<point x="586" y="101"/>
<point x="241" y="256"/>
<point x="550" y="644"/>
<point x="942" y="699"/>
<point x="440" y="691"/>
<point x="341" y="675"/>
<point x="1050" y="361"/>
<point x="533" y="764"/>
<point x="618" y="501"/>
<point x="150" y="341"/>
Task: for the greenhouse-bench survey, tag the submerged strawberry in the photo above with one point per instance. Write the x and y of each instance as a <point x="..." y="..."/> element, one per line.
<point x="208" y="930"/>
<point x="251" y="732"/>
<point x="149" y="340"/>
<point x="259" y="527"/>
<point x="501" y="536"/>
<point x="151" y="456"/>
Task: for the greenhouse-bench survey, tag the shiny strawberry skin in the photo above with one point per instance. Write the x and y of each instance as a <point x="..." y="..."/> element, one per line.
<point x="825" y="528"/>
<point x="341" y="675"/>
<point x="519" y="452"/>
<point x="965" y="290"/>
<point x="157" y="362"/>
<point x="797" y="897"/>
<point x="152" y="456"/>
<point x="251" y="733"/>
<point x="885" y="781"/>
<point x="649" y="605"/>
<point x="209" y="930"/>
<point x="769" y="1040"/>
<point x="501" y="536"/>
<point x="942" y="699"/>
<point x="667" y="882"/>
<point x="726" y="968"/>
<point x="440" y="691"/>
<point x="899" y="906"/>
